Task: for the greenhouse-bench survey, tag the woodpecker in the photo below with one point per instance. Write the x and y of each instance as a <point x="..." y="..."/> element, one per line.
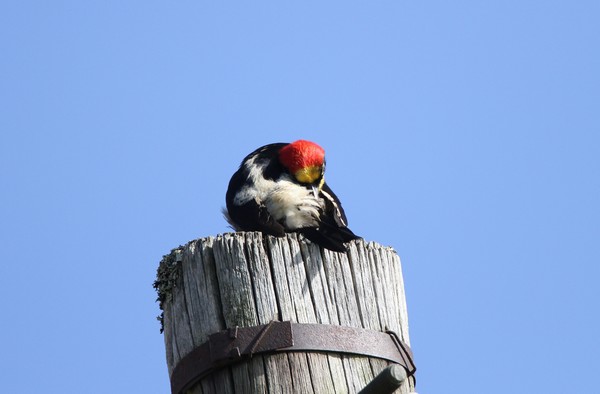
<point x="281" y="188"/>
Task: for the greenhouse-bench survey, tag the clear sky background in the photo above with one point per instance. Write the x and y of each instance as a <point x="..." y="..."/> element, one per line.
<point x="465" y="134"/>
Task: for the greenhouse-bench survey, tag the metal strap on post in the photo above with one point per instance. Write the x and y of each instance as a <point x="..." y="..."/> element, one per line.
<point x="236" y="344"/>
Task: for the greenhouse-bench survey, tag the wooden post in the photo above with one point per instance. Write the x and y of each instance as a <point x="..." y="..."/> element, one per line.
<point x="249" y="279"/>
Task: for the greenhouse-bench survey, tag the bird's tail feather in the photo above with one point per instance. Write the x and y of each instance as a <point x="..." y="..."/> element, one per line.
<point x="330" y="237"/>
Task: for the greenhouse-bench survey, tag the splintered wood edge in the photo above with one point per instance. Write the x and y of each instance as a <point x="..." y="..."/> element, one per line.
<point x="169" y="268"/>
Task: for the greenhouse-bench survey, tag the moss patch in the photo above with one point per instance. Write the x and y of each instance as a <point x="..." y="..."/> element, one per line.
<point x="167" y="276"/>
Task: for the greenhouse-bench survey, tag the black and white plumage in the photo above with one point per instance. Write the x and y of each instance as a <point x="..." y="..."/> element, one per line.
<point x="281" y="188"/>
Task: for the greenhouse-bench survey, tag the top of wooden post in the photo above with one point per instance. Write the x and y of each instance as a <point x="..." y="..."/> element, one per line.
<point x="246" y="279"/>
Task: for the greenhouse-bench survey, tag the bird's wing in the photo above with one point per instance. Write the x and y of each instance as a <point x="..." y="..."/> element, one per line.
<point x="333" y="207"/>
<point x="332" y="231"/>
<point x="252" y="216"/>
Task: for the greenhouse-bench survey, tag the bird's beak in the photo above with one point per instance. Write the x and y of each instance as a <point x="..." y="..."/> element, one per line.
<point x="315" y="190"/>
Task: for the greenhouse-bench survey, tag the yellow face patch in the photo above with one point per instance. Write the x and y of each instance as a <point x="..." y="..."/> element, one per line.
<point x="308" y="174"/>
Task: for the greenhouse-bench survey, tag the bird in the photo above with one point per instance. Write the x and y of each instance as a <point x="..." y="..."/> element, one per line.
<point x="280" y="188"/>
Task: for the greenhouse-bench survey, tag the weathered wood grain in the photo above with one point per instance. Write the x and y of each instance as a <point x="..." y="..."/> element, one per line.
<point x="247" y="279"/>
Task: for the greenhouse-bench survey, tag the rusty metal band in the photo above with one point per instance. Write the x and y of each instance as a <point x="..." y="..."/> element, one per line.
<point x="236" y="344"/>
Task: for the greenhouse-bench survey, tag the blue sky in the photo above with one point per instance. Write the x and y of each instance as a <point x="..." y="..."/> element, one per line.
<point x="464" y="134"/>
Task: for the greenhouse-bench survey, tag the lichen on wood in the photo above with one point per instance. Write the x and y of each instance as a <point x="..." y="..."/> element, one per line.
<point x="167" y="276"/>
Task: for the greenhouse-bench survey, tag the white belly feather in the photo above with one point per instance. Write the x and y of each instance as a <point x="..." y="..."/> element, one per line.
<point x="293" y="205"/>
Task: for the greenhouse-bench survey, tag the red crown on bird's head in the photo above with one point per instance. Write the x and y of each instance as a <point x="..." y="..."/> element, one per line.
<point x="301" y="154"/>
